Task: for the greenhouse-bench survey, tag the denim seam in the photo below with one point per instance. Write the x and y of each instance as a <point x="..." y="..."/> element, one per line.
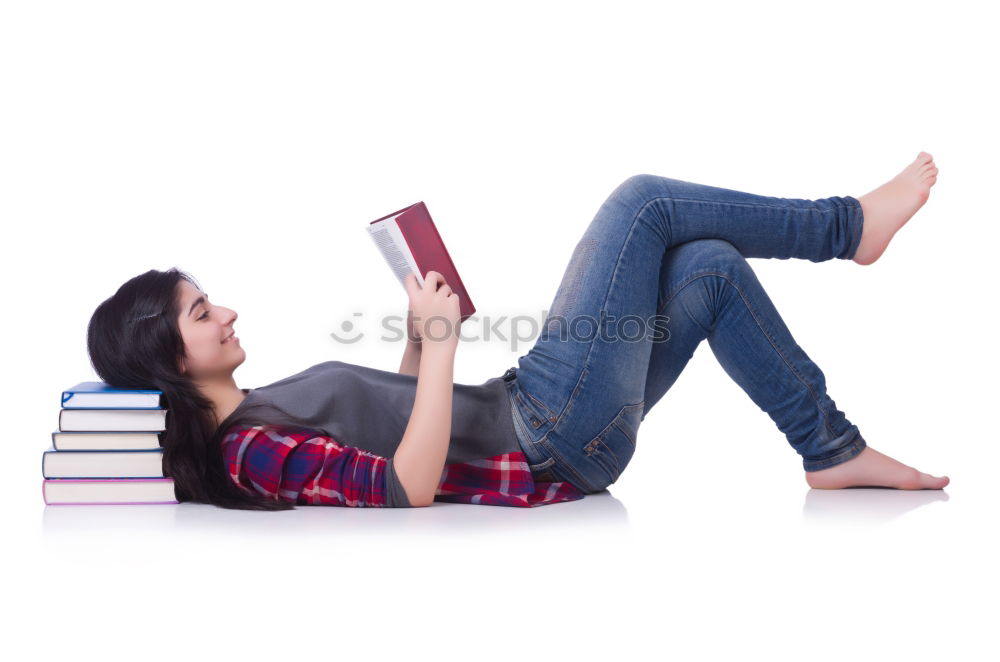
<point x="532" y="413"/>
<point x="736" y="204"/>
<point x="633" y="436"/>
<point x="518" y="423"/>
<point x="561" y="416"/>
<point x="771" y="340"/>
<point x="847" y="208"/>
<point x="614" y="274"/>
<point x="543" y="408"/>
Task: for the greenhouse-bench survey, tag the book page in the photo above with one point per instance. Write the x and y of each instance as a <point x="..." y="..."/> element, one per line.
<point x="389" y="240"/>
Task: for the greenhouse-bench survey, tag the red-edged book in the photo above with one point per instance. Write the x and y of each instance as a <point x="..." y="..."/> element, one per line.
<point x="410" y="244"/>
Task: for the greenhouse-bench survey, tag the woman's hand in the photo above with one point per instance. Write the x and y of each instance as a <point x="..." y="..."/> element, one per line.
<point x="434" y="316"/>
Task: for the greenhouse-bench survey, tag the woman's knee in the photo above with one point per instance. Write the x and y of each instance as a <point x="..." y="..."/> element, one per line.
<point x="633" y="194"/>
<point x="641" y="188"/>
<point x="699" y="276"/>
<point x="705" y="254"/>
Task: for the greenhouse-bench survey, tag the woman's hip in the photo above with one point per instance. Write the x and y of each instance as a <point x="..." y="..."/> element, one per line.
<point x="584" y="433"/>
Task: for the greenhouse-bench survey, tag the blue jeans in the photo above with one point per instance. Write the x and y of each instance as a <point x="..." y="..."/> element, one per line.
<point x="661" y="267"/>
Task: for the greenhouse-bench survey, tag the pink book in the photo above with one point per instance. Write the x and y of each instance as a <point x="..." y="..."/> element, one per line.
<point x="410" y="243"/>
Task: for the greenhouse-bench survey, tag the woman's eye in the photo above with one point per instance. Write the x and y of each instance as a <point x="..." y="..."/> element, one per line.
<point x="203" y="315"/>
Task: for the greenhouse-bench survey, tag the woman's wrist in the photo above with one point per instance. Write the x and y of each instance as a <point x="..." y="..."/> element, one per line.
<point x="437" y="349"/>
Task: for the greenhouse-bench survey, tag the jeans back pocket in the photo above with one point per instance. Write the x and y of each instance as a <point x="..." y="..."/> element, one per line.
<point x="614" y="446"/>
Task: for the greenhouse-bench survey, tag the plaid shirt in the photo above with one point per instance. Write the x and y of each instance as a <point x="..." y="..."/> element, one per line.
<point x="309" y="468"/>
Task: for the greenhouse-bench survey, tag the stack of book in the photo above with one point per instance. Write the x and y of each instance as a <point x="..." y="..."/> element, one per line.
<point x="106" y="449"/>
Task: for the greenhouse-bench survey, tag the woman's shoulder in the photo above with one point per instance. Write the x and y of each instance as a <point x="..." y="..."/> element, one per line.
<point x="315" y="371"/>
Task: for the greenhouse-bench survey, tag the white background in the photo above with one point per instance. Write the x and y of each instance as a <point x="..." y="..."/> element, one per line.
<point x="249" y="143"/>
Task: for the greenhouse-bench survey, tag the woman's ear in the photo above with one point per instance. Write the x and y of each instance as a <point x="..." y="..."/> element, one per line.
<point x="180" y="365"/>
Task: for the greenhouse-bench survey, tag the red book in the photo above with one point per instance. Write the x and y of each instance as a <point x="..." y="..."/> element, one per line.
<point x="410" y="244"/>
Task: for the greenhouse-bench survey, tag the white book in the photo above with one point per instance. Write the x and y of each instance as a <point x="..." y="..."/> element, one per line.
<point x="102" y="464"/>
<point x="67" y="491"/>
<point x="104" y="441"/>
<point x="108" y="420"/>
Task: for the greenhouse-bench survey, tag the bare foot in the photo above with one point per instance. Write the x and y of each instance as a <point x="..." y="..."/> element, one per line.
<point x="873" y="469"/>
<point x="890" y="206"/>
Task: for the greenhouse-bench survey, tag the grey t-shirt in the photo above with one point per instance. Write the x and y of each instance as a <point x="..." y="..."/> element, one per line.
<point x="370" y="408"/>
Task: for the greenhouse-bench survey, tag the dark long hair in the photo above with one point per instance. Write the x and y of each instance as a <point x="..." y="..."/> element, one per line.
<point x="134" y="342"/>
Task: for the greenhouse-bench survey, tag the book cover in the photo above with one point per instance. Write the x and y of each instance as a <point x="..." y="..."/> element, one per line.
<point x="410" y="243"/>
<point x="100" y="395"/>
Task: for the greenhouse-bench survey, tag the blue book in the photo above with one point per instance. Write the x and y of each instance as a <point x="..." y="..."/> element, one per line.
<point x="100" y="395"/>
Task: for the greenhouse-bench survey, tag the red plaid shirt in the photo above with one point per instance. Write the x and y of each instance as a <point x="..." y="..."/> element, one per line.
<point x="309" y="468"/>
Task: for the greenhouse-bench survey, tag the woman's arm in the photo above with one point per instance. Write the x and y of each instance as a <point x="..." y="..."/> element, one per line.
<point x="302" y="466"/>
<point x="410" y="365"/>
<point x="420" y="458"/>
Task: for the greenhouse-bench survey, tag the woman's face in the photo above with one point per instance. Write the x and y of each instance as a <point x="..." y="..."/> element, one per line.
<point x="211" y="348"/>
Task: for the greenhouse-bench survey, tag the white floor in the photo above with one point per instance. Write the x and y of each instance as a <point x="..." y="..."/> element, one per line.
<point x="725" y="552"/>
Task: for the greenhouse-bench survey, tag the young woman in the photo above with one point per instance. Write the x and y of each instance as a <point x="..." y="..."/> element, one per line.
<point x="661" y="267"/>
